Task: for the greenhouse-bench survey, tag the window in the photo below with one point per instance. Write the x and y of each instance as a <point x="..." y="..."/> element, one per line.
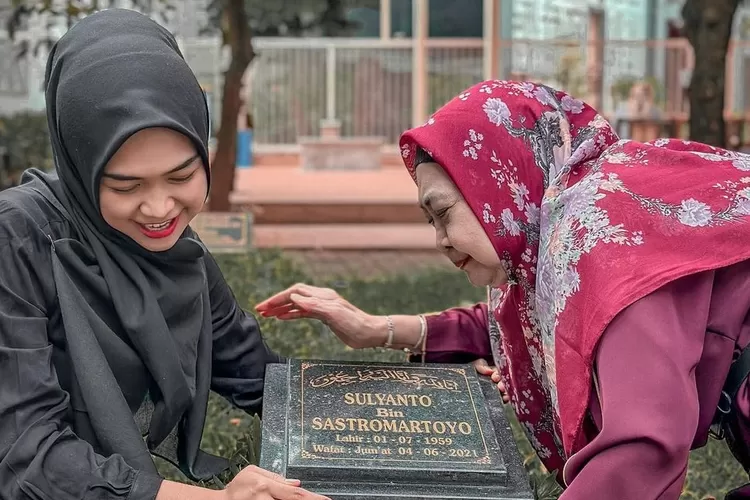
<point x="366" y="18"/>
<point x="452" y="19"/>
<point x="401" y="18"/>
<point x="448" y="18"/>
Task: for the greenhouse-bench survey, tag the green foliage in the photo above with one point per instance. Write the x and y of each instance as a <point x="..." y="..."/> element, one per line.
<point x="69" y="11"/>
<point x="713" y="471"/>
<point x="255" y="276"/>
<point x="289" y="17"/>
<point x="25" y="137"/>
<point x="570" y="75"/>
<point x="620" y="89"/>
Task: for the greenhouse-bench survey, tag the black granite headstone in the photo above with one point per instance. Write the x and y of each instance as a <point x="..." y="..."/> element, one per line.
<point x="355" y="431"/>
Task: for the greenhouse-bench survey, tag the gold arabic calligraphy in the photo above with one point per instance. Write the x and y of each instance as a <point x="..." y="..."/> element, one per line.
<point x="414" y="379"/>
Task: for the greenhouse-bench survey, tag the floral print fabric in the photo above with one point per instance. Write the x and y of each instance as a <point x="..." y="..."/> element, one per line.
<point x="585" y="224"/>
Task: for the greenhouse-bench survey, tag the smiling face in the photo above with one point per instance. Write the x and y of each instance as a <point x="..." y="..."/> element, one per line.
<point x="152" y="188"/>
<point x="459" y="236"/>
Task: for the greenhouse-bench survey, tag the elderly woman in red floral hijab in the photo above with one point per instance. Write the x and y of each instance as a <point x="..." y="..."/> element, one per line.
<point x="619" y="278"/>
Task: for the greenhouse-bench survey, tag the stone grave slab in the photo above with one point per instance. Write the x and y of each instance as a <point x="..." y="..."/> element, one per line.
<point x="356" y="431"/>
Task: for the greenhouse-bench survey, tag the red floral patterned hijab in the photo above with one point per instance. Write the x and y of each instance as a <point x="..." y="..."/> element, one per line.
<point x="584" y="224"/>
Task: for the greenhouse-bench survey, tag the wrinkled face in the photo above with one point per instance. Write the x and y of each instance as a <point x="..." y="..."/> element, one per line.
<point x="153" y="187"/>
<point x="459" y="236"/>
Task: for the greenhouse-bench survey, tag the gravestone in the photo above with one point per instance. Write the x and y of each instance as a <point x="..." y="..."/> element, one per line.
<point x="356" y="431"/>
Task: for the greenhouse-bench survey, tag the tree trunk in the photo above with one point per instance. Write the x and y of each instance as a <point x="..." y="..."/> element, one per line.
<point x="237" y="36"/>
<point x="708" y="28"/>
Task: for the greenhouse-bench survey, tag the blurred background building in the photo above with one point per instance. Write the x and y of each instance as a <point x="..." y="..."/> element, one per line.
<point x="322" y="114"/>
<point x="559" y="41"/>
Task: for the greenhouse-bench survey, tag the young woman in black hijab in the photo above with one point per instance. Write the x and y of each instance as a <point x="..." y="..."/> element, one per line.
<point x="115" y="322"/>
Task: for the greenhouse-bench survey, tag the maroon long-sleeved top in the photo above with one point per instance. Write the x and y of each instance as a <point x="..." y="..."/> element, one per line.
<point x="660" y="368"/>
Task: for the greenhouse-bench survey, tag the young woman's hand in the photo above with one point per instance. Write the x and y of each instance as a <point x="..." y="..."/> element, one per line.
<point x="254" y="483"/>
<point x="490" y="371"/>
<point x="353" y="326"/>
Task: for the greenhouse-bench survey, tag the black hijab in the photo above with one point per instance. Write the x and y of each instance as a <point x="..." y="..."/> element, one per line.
<point x="114" y="73"/>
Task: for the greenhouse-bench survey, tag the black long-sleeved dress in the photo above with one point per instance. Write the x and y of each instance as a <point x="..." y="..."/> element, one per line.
<point x="42" y="455"/>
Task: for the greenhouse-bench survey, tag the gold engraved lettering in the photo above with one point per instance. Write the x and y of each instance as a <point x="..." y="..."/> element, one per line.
<point x="380" y="399"/>
<point x="395" y="425"/>
<point x="404" y="377"/>
<point x="372" y="450"/>
<point x="349" y="438"/>
<point x="338" y="378"/>
<point x="377" y="420"/>
<point x="419" y="380"/>
<point x="387" y="412"/>
<point x="319" y="448"/>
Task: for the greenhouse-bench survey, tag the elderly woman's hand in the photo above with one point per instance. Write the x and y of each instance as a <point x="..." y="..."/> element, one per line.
<point x="490" y="371"/>
<point x="353" y="326"/>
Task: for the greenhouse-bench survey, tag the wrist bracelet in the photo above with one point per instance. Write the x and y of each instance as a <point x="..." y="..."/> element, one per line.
<point x="389" y="341"/>
<point x="422" y="331"/>
<point x="422" y="334"/>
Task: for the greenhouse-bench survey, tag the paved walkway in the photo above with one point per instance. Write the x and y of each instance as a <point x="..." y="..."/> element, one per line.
<point x="372" y="236"/>
<point x="278" y="186"/>
<point x="294" y="185"/>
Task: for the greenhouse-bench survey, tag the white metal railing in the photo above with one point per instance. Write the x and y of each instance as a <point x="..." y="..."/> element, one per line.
<point x="368" y="85"/>
<point x="364" y="84"/>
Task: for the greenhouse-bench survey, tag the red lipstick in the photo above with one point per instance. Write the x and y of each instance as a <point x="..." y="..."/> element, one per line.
<point x="164" y="232"/>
